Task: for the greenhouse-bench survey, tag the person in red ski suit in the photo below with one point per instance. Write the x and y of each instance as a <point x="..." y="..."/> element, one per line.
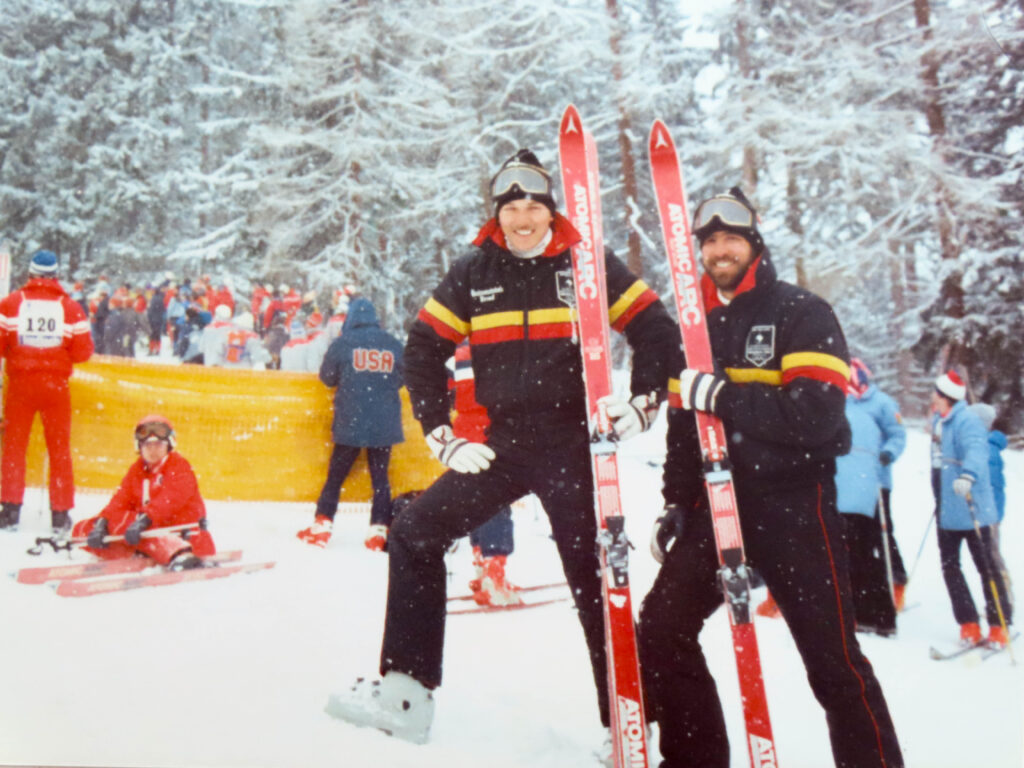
<point x="159" y="490"/>
<point x="43" y="333"/>
<point x="493" y="541"/>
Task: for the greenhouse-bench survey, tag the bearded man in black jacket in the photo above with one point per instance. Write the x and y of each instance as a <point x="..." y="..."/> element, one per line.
<point x="779" y="388"/>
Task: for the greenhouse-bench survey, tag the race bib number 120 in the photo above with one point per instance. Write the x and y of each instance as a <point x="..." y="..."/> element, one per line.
<point x="40" y="323"/>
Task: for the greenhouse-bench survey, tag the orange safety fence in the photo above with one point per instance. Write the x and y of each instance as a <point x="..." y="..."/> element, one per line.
<point x="249" y="435"/>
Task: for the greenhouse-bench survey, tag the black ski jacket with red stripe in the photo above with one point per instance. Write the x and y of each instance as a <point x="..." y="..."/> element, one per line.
<point x="783" y="409"/>
<point x="518" y="315"/>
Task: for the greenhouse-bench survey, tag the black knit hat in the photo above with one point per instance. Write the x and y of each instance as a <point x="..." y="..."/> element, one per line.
<point x="522" y="177"/>
<point x="713" y="216"/>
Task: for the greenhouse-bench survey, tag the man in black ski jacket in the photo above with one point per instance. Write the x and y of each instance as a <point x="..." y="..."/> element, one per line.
<point x="513" y="297"/>
<point x="779" y="387"/>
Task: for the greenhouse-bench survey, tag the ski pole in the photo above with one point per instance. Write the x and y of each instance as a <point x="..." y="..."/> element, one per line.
<point x="924" y="539"/>
<point x="991" y="576"/>
<point x="67" y="544"/>
<point x="885" y="548"/>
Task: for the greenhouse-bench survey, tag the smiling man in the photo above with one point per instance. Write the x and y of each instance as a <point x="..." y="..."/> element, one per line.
<point x="512" y="296"/>
<point x="779" y="386"/>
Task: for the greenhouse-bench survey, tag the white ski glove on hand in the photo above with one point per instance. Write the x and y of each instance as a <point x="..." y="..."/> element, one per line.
<point x="458" y="453"/>
<point x="699" y="390"/>
<point x="962" y="485"/>
<point x="630" y="419"/>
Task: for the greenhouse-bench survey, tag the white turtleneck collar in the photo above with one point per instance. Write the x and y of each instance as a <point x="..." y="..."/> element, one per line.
<point x="536" y="251"/>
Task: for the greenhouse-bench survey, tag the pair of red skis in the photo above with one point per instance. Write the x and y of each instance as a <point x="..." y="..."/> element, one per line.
<point x="103" y="576"/>
<point x="578" y="162"/>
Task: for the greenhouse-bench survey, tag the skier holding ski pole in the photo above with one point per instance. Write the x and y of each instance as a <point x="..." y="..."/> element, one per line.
<point x="513" y="296"/>
<point x="779" y="387"/>
<point x="967" y="510"/>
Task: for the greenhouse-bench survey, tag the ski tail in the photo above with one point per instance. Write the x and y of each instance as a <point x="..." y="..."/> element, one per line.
<point x="578" y="162"/>
<point x="667" y="178"/>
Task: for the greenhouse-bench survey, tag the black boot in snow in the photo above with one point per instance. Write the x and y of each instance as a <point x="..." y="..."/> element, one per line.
<point x="10" y="513"/>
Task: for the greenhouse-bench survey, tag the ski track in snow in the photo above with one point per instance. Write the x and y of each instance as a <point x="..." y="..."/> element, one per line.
<point x="236" y="672"/>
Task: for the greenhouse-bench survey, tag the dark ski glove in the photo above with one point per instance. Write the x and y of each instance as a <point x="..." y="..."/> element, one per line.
<point x="667" y="528"/>
<point x="886" y="458"/>
<point x="134" y="533"/>
<point x="97" y="534"/>
<point x="699" y="391"/>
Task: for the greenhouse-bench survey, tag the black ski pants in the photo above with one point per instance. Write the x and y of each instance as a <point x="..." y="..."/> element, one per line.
<point x="964" y="610"/>
<point x="794" y="538"/>
<point x="869" y="580"/>
<point x="342" y="459"/>
<point x="559" y="473"/>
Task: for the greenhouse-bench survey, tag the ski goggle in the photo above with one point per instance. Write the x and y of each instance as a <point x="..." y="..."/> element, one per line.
<point x="728" y="210"/>
<point x="529" y="178"/>
<point x="152" y="429"/>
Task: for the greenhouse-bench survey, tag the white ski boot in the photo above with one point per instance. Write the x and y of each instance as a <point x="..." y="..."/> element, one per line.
<point x="397" y="704"/>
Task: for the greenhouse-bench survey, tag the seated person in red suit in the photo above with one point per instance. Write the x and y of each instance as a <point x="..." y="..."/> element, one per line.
<point x="159" y="491"/>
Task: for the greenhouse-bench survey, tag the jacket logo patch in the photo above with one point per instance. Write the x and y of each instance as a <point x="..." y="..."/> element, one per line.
<point x="487" y="294"/>
<point x="760" y="345"/>
<point x="565" y="288"/>
<point x="372" y="360"/>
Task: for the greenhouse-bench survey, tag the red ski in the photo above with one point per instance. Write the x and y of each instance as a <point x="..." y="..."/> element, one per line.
<point x="504" y="608"/>
<point x="578" y="160"/>
<point x="531" y="588"/>
<point x="44" y="573"/>
<point x="718" y="480"/>
<point x="89" y="587"/>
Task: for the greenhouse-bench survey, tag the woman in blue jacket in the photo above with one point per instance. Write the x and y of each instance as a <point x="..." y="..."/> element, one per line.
<point x="365" y="364"/>
<point x="960" y="458"/>
<point x="878" y="438"/>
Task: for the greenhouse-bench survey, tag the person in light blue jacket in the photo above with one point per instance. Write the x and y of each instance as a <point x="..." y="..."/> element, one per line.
<point x="863" y="478"/>
<point x="967" y="509"/>
<point x="997" y="443"/>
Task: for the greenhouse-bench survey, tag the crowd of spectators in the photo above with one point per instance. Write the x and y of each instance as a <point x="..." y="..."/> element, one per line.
<point x="202" y="321"/>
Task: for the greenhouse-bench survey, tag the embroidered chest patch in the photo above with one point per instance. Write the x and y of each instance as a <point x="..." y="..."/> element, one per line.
<point x="485" y="295"/>
<point x="565" y="288"/>
<point x="760" y="347"/>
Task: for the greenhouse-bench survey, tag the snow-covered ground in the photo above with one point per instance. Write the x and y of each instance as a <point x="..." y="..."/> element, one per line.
<point x="236" y="672"/>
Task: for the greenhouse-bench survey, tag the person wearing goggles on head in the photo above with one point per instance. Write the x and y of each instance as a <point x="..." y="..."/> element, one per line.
<point x="779" y="386"/>
<point x="513" y="297"/>
<point x="160" y="490"/>
<point x="43" y="333"/>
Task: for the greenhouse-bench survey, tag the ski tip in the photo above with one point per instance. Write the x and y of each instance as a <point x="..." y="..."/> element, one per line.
<point x="661" y="137"/>
<point x="571" y="122"/>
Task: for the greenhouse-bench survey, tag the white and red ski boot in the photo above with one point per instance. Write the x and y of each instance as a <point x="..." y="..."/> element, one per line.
<point x="376" y="538"/>
<point x="495" y="590"/>
<point x="319" y="533"/>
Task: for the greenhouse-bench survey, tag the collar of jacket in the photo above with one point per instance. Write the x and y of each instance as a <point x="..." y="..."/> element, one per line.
<point x="45" y="284"/>
<point x="760" y="273"/>
<point x="563" y="236"/>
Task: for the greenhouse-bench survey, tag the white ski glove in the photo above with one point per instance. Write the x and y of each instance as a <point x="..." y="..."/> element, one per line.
<point x="458" y="453"/>
<point x="630" y="419"/>
<point x="699" y="391"/>
<point x="962" y="485"/>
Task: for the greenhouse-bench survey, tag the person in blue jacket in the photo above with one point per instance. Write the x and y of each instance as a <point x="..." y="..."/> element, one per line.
<point x="861" y="479"/>
<point x="960" y="459"/>
<point x="997" y="443"/>
<point x="365" y="364"/>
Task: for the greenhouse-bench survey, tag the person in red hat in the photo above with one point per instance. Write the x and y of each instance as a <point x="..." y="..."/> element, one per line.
<point x="966" y="510"/>
<point x="43" y="333"/>
<point x="160" y="490"/>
